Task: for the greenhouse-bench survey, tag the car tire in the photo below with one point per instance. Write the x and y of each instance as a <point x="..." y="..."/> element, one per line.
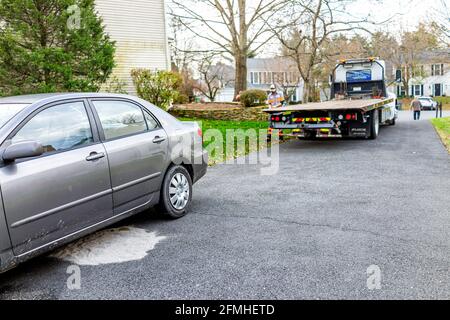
<point x="176" y="193"/>
<point x="374" y="125"/>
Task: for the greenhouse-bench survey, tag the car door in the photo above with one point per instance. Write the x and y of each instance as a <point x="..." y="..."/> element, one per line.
<point x="63" y="191"/>
<point x="136" y="145"/>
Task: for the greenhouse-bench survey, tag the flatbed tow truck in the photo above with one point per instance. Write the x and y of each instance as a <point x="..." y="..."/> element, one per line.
<point x="360" y="105"/>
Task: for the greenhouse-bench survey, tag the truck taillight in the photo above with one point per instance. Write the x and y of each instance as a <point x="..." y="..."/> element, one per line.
<point x="351" y="116"/>
<point x="200" y="132"/>
<point x="276" y="119"/>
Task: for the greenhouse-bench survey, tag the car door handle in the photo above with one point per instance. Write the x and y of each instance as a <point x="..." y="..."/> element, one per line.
<point x="159" y="140"/>
<point x="95" y="156"/>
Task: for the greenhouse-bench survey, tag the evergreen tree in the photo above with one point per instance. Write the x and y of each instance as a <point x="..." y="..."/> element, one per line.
<point x="52" y="46"/>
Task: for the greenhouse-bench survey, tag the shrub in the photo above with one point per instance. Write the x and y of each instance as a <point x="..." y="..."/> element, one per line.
<point x="44" y="49"/>
<point x="115" y="85"/>
<point x="181" y="99"/>
<point x="158" y="87"/>
<point x="253" y="98"/>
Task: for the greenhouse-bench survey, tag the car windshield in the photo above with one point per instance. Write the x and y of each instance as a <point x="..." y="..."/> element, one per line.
<point x="8" y="111"/>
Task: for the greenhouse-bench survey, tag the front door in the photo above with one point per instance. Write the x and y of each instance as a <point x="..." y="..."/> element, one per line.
<point x="137" y="150"/>
<point x="66" y="189"/>
<point x="437" y="90"/>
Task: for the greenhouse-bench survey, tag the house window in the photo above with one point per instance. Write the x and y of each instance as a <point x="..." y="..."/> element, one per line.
<point x="437" y="69"/>
<point x="398" y="75"/>
<point x="417" y="90"/>
<point x="418" y="72"/>
<point x="255" y="77"/>
<point x="401" y="91"/>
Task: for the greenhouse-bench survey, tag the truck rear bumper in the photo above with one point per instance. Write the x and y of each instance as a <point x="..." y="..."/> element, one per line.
<point x="306" y="126"/>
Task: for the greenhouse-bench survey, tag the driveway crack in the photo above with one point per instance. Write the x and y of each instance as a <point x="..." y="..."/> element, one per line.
<point x="329" y="226"/>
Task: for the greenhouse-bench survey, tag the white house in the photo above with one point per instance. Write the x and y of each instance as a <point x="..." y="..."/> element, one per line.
<point x="282" y="72"/>
<point x="262" y="73"/>
<point x="140" y="31"/>
<point x="434" y="75"/>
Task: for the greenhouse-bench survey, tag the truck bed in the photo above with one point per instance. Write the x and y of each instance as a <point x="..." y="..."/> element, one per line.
<point x="361" y="105"/>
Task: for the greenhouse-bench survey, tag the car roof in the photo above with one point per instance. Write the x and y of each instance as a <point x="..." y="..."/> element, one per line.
<point x="34" y="98"/>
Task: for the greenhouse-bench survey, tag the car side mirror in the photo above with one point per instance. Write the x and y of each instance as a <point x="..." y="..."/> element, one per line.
<point x="23" y="149"/>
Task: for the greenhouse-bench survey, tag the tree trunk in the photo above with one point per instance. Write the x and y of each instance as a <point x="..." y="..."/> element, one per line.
<point x="306" y="90"/>
<point x="241" y="74"/>
<point x="241" y="51"/>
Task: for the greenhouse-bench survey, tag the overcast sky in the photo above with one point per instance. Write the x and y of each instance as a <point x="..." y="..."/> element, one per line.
<point x="410" y="12"/>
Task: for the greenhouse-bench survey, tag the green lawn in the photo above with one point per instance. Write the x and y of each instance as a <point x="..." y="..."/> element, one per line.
<point x="220" y="154"/>
<point x="442" y="126"/>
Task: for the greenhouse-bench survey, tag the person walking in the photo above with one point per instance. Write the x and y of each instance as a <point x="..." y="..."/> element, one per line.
<point x="416" y="106"/>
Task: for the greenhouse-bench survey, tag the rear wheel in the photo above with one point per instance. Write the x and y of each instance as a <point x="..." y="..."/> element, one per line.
<point x="310" y="135"/>
<point x="392" y="122"/>
<point x="374" y="125"/>
<point x="176" y="192"/>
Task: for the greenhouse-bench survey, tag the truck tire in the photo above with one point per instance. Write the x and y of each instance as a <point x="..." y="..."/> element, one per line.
<point x="310" y="135"/>
<point x="374" y="124"/>
<point x="392" y="122"/>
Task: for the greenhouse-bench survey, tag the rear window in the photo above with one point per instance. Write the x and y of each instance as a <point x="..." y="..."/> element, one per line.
<point x="8" y="111"/>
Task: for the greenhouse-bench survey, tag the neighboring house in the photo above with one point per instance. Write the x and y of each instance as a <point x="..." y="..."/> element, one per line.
<point x="262" y="73"/>
<point x="140" y="31"/>
<point x="433" y="77"/>
<point x="282" y="72"/>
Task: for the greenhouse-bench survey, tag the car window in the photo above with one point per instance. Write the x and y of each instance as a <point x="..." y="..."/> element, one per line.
<point x="58" y="128"/>
<point x="152" y="124"/>
<point x="120" y="118"/>
<point x="8" y="111"/>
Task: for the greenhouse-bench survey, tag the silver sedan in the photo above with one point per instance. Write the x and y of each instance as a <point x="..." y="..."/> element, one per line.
<point x="71" y="164"/>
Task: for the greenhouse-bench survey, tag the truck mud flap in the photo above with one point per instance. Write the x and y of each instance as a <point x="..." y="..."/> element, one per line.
<point x="359" y="130"/>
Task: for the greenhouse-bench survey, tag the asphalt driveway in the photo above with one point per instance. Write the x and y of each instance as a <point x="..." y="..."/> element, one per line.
<point x="309" y="232"/>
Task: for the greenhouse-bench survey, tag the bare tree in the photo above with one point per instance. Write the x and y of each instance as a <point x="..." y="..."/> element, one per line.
<point x="213" y="76"/>
<point x="310" y="26"/>
<point x="409" y="54"/>
<point x="234" y="27"/>
<point x="440" y="18"/>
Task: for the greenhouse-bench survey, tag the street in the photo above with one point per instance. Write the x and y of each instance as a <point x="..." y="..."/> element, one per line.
<point x="335" y="208"/>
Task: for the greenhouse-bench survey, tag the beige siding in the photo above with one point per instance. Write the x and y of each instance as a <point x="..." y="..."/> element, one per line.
<point x="139" y="29"/>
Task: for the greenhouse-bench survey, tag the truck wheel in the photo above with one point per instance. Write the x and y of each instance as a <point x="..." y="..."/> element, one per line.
<point x="392" y="123"/>
<point x="374" y="125"/>
<point x="310" y="135"/>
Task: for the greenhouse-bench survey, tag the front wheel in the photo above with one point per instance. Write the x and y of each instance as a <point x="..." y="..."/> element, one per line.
<point x="176" y="192"/>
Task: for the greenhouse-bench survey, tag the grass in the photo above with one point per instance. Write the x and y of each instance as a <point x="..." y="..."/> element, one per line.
<point x="442" y="126"/>
<point x="217" y="155"/>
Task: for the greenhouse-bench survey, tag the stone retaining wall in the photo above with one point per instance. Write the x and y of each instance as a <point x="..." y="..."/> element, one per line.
<point x="235" y="114"/>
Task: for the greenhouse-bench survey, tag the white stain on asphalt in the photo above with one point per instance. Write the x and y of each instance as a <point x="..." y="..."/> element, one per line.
<point x="110" y="246"/>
